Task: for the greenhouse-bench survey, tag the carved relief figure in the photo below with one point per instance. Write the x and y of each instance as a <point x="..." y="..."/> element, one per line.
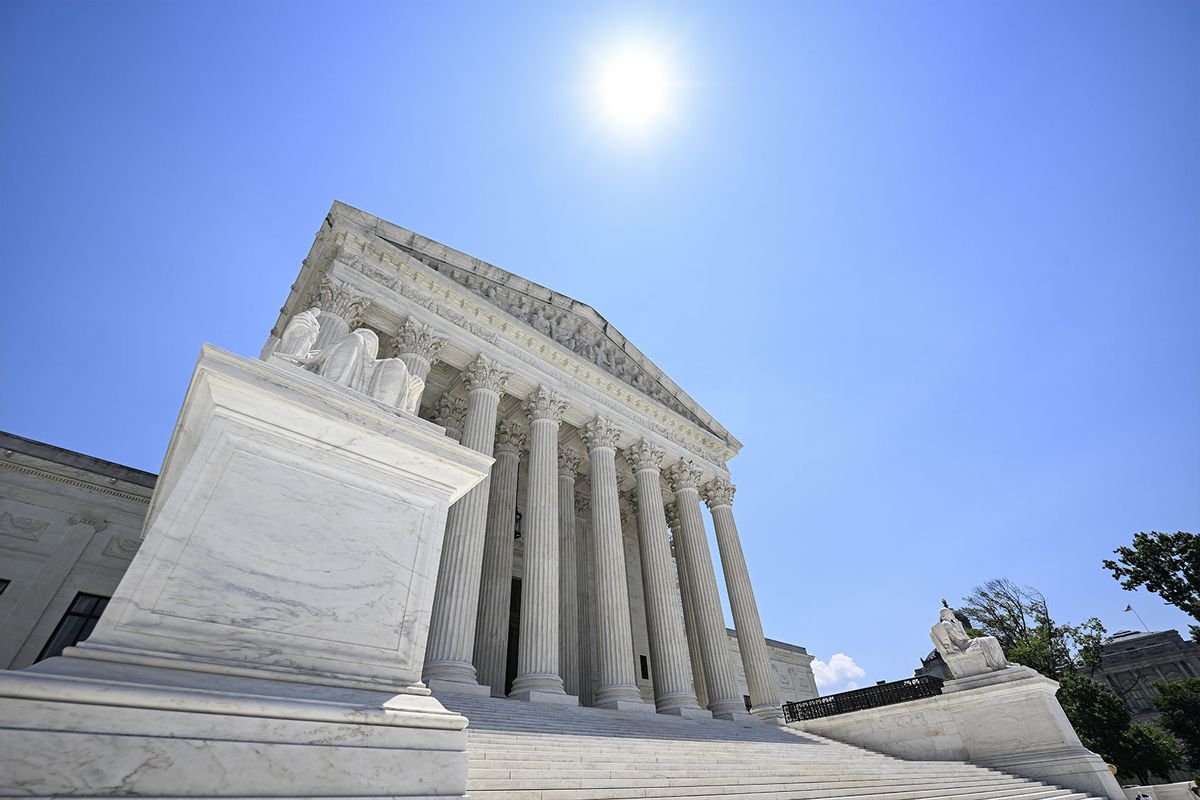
<point x="392" y="384"/>
<point x="963" y="655"/>
<point x="300" y="334"/>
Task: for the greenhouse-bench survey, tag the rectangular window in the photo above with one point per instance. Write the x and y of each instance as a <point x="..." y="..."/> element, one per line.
<point x="76" y="625"/>
<point x="746" y="698"/>
<point x="645" y="668"/>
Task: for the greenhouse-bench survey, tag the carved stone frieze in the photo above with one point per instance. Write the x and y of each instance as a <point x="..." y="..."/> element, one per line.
<point x="22" y="527"/>
<point x="424" y="292"/>
<point x="600" y="432"/>
<point x="121" y="547"/>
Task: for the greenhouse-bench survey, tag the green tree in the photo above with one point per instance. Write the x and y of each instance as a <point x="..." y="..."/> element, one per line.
<point x="1179" y="704"/>
<point x="1147" y="751"/>
<point x="1019" y="617"/>
<point x="1100" y="718"/>
<point x="1167" y="564"/>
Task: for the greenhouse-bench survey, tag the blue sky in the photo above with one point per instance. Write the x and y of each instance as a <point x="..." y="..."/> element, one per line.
<point x="937" y="265"/>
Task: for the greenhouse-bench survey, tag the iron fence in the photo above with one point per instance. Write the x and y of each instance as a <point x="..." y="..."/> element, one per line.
<point x="883" y="694"/>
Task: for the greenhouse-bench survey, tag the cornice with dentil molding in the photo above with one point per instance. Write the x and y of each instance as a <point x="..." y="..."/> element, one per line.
<point x="354" y="253"/>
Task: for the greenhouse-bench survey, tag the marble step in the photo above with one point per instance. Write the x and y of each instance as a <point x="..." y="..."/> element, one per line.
<point x="559" y="781"/>
<point x="784" y="793"/>
<point x="685" y="772"/>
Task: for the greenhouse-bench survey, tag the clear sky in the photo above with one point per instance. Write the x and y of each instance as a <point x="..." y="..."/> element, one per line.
<point x="937" y="265"/>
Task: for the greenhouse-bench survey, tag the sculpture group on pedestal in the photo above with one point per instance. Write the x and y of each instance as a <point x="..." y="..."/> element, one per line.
<point x="351" y="362"/>
<point x="965" y="656"/>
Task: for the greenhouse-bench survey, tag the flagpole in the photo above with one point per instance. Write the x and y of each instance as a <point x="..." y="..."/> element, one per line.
<point x="1139" y="616"/>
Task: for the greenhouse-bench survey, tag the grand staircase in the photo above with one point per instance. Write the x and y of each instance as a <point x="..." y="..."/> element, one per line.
<point x="531" y="751"/>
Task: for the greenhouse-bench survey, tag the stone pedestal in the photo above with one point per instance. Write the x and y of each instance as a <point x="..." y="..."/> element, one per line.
<point x="1009" y="720"/>
<point x="281" y="597"/>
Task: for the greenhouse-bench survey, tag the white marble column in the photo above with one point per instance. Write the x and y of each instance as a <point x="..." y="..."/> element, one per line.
<point x="756" y="661"/>
<point x="417" y="346"/>
<point x="690" y="626"/>
<point x="673" y="684"/>
<point x="724" y="699"/>
<point x="495" y="591"/>
<point x="451" y="413"/>
<point x="450" y="654"/>
<point x="586" y="592"/>
<point x="538" y="677"/>
<point x="616" y="682"/>
<point x="340" y="304"/>
<point x="568" y="584"/>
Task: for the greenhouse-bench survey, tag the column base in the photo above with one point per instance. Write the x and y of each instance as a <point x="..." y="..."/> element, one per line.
<point x="537" y="682"/>
<point x="768" y="714"/>
<point x="554" y="698"/>
<point x="693" y="712"/>
<point x="449" y="672"/>
<point x="439" y="687"/>
<point x="632" y="706"/>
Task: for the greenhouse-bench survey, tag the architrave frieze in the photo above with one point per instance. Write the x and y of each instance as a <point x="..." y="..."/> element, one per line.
<point x="406" y="288"/>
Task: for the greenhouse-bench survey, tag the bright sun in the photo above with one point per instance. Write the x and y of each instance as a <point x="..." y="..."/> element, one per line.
<point x="634" y="87"/>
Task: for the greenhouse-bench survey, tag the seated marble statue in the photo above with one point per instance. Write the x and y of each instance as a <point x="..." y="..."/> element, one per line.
<point x="300" y="335"/>
<point x="350" y="360"/>
<point x="964" y="655"/>
<point x="393" y="385"/>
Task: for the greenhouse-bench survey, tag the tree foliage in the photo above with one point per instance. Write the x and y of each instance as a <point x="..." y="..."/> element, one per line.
<point x="1167" y="564"/>
<point x="1148" y="752"/>
<point x="1019" y="617"/>
<point x="1179" y="704"/>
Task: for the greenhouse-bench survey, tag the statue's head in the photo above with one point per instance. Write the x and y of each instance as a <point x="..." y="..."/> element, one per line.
<point x="947" y="615"/>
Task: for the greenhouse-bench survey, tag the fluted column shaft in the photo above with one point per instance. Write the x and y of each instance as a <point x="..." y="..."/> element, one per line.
<point x="495" y="593"/>
<point x="690" y="625"/>
<point x="616" y="681"/>
<point x="756" y="661"/>
<point x="673" y="685"/>
<point x="537" y="650"/>
<point x="449" y="654"/>
<point x="568" y="585"/>
<point x="587" y="606"/>
<point x="724" y="699"/>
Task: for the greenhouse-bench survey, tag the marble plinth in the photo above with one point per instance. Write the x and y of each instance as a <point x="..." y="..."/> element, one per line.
<point x="534" y="696"/>
<point x="280" y="597"/>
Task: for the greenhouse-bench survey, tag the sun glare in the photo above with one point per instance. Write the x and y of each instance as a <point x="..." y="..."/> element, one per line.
<point x="634" y="87"/>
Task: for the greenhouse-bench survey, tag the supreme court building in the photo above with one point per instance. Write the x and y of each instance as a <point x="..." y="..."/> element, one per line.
<point x="580" y="571"/>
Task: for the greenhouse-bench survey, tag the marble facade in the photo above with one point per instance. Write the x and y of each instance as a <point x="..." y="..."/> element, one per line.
<point x="596" y="448"/>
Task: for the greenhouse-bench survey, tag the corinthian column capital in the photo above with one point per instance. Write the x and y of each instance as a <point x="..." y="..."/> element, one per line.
<point x="672" y="512"/>
<point x="510" y="438"/>
<point x="683" y="475"/>
<point x="644" y="455"/>
<point x="718" y="492"/>
<point x="568" y="463"/>
<point x="600" y="433"/>
<point x="486" y="374"/>
<point x="339" y="298"/>
<point x="545" y="404"/>
<point x="417" y="339"/>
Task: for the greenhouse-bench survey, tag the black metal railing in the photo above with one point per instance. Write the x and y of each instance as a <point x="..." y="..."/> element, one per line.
<point x="882" y="694"/>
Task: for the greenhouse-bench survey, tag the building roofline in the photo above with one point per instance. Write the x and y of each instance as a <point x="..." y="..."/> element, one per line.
<point x="70" y="458"/>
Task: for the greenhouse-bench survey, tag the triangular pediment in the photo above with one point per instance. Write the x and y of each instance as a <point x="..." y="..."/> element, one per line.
<point x="567" y="322"/>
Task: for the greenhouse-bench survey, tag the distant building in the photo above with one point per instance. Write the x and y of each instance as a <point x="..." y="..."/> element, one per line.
<point x="1131" y="662"/>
